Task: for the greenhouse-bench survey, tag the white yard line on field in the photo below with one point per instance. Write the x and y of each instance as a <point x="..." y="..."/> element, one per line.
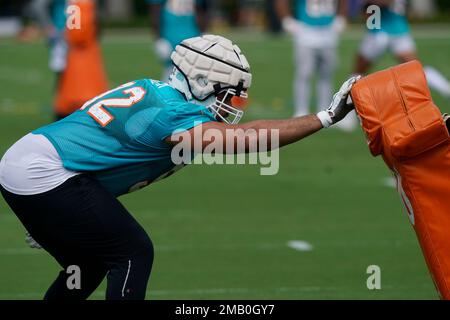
<point x="300" y="245"/>
<point x="21" y="75"/>
<point x="239" y="290"/>
<point x="164" y="248"/>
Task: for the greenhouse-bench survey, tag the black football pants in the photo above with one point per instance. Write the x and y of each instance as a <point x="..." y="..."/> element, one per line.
<point x="81" y="224"/>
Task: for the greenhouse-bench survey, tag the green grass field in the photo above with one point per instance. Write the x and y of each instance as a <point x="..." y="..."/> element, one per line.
<point x="221" y="232"/>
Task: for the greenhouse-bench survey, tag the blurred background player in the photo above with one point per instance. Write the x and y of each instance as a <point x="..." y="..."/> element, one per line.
<point x="173" y="21"/>
<point x="51" y="17"/>
<point x="315" y="26"/>
<point x="75" y="54"/>
<point x="84" y="76"/>
<point x="394" y="35"/>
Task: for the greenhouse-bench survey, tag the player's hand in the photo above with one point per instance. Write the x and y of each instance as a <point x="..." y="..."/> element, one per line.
<point x="341" y="105"/>
<point x="163" y="49"/>
<point x="291" y="26"/>
<point x="31" y="242"/>
<point x="339" y="24"/>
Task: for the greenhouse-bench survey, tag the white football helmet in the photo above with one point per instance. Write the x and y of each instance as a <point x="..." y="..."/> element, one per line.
<point x="209" y="66"/>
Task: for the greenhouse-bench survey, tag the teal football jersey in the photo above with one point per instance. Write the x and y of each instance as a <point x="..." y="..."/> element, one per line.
<point x="316" y="13"/>
<point x="393" y="19"/>
<point x="119" y="135"/>
<point x="178" y="21"/>
<point x="58" y="14"/>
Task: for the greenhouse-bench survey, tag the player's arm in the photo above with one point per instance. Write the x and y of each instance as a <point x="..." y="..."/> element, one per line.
<point x="288" y="22"/>
<point x="340" y="22"/>
<point x="163" y="48"/>
<point x="288" y="130"/>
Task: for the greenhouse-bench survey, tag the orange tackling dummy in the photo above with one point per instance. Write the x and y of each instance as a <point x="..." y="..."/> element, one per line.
<point x="404" y="126"/>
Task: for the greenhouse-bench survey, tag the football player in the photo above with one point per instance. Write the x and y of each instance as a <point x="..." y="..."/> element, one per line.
<point x="51" y="16"/>
<point x="172" y="22"/>
<point x="62" y="180"/>
<point x="393" y="34"/>
<point x="315" y="26"/>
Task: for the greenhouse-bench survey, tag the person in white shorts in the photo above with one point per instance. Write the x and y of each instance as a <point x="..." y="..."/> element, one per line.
<point x="315" y="27"/>
<point x="393" y="35"/>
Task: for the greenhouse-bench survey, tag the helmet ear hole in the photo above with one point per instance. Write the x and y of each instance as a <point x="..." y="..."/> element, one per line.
<point x="202" y="81"/>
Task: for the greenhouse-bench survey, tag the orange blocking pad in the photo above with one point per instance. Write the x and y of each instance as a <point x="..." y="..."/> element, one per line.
<point x="403" y="125"/>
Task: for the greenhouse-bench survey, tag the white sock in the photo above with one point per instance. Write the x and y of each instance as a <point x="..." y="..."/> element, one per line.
<point x="437" y="81"/>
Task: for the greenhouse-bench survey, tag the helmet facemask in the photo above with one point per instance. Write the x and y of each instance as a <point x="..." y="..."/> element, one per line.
<point x="227" y="106"/>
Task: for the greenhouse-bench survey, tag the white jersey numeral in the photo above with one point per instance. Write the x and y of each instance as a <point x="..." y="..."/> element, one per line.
<point x="101" y="115"/>
<point x="319" y="8"/>
<point x="181" y="7"/>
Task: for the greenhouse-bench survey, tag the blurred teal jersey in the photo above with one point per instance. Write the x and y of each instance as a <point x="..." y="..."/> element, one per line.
<point x="58" y="13"/>
<point x="393" y="19"/>
<point x="178" y="20"/>
<point x="119" y="135"/>
<point x="316" y="13"/>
